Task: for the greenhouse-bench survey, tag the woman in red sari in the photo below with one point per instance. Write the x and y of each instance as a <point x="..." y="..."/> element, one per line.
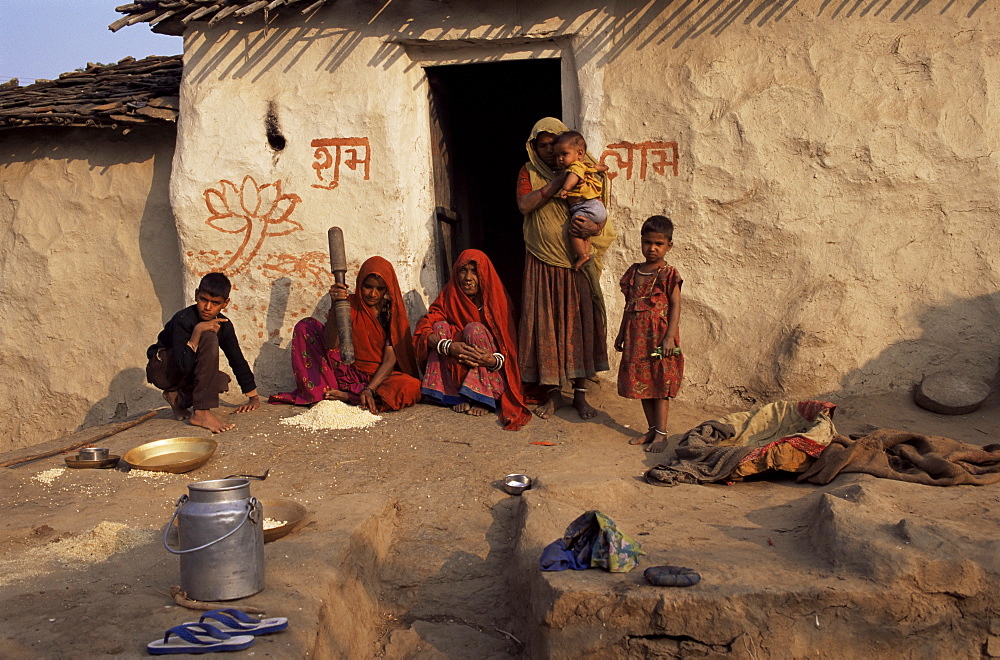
<point x="384" y="373"/>
<point x="469" y="341"/>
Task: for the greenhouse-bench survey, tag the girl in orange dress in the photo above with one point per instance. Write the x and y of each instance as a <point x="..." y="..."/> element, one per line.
<point x="652" y="364"/>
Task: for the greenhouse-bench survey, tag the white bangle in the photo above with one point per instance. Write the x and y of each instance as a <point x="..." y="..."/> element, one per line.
<point x="499" y="365"/>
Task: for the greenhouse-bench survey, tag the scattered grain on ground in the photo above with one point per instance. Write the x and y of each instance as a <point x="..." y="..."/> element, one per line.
<point x="48" y="476"/>
<point x="150" y="474"/>
<point x="75" y="552"/>
<point x="106" y="539"/>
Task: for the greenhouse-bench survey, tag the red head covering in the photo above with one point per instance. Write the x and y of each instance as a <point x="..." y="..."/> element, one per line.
<point x="369" y="337"/>
<point x="457" y="309"/>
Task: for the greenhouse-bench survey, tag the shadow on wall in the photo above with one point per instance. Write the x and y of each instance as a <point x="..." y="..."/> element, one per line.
<point x="272" y="368"/>
<point x="159" y="245"/>
<point x="963" y="335"/>
<point x="606" y="37"/>
<point x="128" y="395"/>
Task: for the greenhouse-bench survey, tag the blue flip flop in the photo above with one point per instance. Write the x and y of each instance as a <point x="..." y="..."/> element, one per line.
<point x="237" y="622"/>
<point x="198" y="638"/>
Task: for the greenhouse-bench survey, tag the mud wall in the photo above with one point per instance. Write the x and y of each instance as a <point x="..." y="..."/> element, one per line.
<point x="830" y="170"/>
<point x="89" y="271"/>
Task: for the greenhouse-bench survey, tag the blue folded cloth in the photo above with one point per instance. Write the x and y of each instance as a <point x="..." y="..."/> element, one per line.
<point x="557" y="557"/>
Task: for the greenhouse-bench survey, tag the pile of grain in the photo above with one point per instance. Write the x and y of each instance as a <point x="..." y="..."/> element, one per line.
<point x="330" y="415"/>
<point x="271" y="523"/>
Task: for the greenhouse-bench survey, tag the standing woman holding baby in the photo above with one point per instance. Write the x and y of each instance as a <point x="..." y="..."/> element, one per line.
<point x="563" y="331"/>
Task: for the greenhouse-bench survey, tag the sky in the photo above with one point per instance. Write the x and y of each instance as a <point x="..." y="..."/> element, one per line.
<point x="43" y="38"/>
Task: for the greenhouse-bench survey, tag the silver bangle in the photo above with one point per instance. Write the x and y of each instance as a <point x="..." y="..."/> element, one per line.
<point x="499" y="365"/>
<point x="443" y="346"/>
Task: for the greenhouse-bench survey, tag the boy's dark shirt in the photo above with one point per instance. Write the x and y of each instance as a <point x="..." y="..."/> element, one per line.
<point x="177" y="332"/>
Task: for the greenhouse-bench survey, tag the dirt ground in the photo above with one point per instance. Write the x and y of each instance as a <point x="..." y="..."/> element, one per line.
<point x="411" y="549"/>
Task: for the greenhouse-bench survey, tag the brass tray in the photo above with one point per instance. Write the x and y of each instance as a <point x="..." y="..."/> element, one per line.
<point x="289" y="511"/>
<point x="171" y="455"/>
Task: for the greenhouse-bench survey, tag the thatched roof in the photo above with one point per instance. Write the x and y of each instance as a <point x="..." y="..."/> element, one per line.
<point x="126" y="94"/>
<point x="174" y="15"/>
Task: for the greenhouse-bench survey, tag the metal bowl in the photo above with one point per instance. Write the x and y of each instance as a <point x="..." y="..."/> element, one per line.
<point x="288" y="511"/>
<point x="76" y="462"/>
<point x="171" y="455"/>
<point x="515" y="484"/>
<point x="93" y="454"/>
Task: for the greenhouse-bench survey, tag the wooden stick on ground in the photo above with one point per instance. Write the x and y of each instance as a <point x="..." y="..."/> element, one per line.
<point x="180" y="597"/>
<point x="117" y="428"/>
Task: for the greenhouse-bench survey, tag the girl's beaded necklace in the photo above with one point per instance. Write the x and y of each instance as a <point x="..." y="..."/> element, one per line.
<point x="647" y="284"/>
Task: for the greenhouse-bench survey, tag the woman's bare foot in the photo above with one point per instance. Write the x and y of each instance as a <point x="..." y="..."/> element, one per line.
<point x="550" y="405"/>
<point x="645" y="438"/>
<point x="206" y="419"/>
<point x="582" y="259"/>
<point x="461" y="407"/>
<point x="180" y="414"/>
<point x="586" y="410"/>
<point x="476" y="411"/>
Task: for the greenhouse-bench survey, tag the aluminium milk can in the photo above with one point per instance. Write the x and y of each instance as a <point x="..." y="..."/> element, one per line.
<point x="220" y="528"/>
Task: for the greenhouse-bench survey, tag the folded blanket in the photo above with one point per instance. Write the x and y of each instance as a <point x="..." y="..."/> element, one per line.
<point x="905" y="456"/>
<point x="715" y="449"/>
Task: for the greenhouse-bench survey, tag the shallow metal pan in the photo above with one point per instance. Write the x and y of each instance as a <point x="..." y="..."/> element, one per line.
<point x="171" y="455"/>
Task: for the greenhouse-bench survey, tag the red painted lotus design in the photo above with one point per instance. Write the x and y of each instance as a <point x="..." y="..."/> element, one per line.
<point x="254" y="210"/>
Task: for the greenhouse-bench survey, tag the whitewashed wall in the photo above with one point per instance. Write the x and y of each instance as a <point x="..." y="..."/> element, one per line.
<point x="89" y="272"/>
<point x="835" y="191"/>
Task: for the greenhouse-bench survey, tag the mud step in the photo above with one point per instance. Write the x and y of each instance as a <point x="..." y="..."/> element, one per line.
<point x="860" y="568"/>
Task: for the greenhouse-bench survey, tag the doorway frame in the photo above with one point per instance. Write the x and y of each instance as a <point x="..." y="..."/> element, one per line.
<point x="448" y="52"/>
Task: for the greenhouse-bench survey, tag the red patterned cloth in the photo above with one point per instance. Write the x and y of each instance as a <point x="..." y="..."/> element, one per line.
<point x="457" y="310"/>
<point x="647" y="309"/>
<point x="449" y="382"/>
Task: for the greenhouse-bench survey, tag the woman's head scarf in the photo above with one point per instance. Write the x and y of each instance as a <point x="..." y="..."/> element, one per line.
<point x="368" y="334"/>
<point x="535" y="163"/>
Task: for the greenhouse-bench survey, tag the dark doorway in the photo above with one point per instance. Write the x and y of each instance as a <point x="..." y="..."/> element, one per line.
<point x="481" y="115"/>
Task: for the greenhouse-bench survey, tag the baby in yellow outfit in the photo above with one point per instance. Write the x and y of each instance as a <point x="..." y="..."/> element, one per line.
<point x="581" y="189"/>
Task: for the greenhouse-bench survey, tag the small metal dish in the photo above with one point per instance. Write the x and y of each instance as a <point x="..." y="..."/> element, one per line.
<point x="77" y="462"/>
<point x="94" y="453"/>
<point x="515" y="484"/>
<point x="287" y="511"/>
<point x="171" y="455"/>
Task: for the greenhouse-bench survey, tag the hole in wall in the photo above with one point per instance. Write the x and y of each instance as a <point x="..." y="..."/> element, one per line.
<point x="274" y="136"/>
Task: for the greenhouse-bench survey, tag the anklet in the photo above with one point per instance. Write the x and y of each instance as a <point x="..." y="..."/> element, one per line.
<point x="579" y="389"/>
<point x="658" y="431"/>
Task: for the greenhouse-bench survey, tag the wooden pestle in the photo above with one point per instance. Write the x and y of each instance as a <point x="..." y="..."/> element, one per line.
<point x="341" y="308"/>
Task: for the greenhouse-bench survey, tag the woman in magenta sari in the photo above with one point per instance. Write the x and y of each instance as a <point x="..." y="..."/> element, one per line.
<point x="384" y="373"/>
<point x="469" y="341"/>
